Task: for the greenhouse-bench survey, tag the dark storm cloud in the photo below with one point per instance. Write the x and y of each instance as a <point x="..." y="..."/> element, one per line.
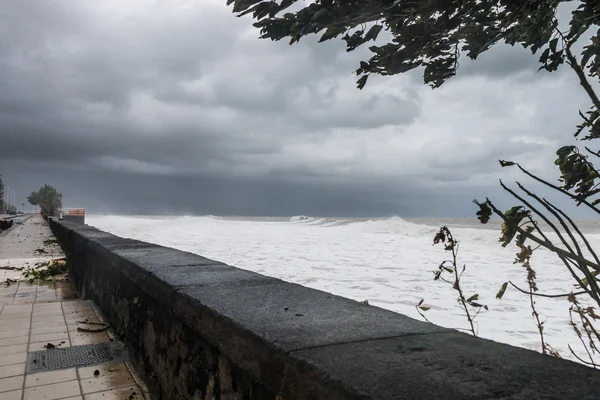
<point x="180" y="100"/>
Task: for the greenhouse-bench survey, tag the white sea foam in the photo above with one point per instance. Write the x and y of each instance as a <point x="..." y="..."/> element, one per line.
<point x="386" y="261"/>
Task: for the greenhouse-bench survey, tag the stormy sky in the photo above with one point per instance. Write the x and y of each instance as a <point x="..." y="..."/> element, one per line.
<point x="154" y="107"/>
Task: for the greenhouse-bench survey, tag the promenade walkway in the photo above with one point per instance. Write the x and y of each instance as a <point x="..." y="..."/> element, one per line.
<point x="53" y="345"/>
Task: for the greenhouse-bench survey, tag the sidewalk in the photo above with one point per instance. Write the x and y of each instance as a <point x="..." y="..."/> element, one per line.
<point x="53" y="345"/>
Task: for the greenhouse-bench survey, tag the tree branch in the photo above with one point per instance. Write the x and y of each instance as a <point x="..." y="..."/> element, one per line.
<point x="558" y="188"/>
<point x="552" y="296"/>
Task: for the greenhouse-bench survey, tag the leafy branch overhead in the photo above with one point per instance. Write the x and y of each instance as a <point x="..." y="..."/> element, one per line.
<point x="431" y="35"/>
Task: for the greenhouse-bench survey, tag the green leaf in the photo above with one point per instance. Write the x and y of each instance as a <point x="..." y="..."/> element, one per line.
<point x="450" y="270"/>
<point x="565" y="151"/>
<point x="241" y="5"/>
<point x="332" y="32"/>
<point x="484" y="213"/>
<point x="373" y="32"/>
<point x="473" y="304"/>
<point x="544" y="57"/>
<point x="319" y="14"/>
<point x="285" y="4"/>
<point x="474" y="297"/>
<point x="506" y="163"/>
<point x="502" y="290"/>
<point x="362" y="81"/>
<point x="552" y="44"/>
<point x="586" y="55"/>
<point x="512" y="219"/>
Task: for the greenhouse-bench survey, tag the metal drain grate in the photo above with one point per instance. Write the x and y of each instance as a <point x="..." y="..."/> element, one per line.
<point x="76" y="356"/>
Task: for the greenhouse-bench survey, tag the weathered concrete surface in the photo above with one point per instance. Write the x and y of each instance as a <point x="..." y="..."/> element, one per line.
<point x="449" y="366"/>
<point x="203" y="329"/>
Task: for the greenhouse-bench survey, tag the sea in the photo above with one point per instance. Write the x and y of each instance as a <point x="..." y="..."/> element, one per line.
<point x="389" y="262"/>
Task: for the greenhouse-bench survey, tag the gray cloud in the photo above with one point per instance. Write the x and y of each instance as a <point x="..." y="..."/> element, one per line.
<point x="131" y="106"/>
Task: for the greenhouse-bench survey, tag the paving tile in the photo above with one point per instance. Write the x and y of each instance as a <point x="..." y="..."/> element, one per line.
<point x="39" y="346"/>
<point x="76" y="319"/>
<point x="47" y="307"/>
<point x="15" y="319"/>
<point x="87" y="317"/>
<point x="49" y="337"/>
<point x="75" y="303"/>
<point x="25" y="301"/>
<point x="15" y="333"/>
<point x="49" y="314"/>
<point x="19" y="316"/>
<point x="53" y="391"/>
<point x="10" y="384"/>
<point x="12" y="370"/>
<point x="47" y="378"/>
<point x="106" y="369"/>
<point x="79" y="309"/>
<point x="47" y="298"/>
<point x="24" y="293"/>
<point x="78" y="339"/>
<point x="48" y="324"/>
<point x="14" y="340"/>
<point x="49" y="329"/>
<point x="14" y="327"/>
<point x="64" y="291"/>
<point x="47" y="318"/>
<point x="14" y="395"/>
<point x="13" y="359"/>
<point x="12" y="310"/>
<point x="17" y="348"/>
<point x="132" y="393"/>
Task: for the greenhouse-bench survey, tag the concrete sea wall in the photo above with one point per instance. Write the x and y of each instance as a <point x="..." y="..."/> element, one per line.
<point x="201" y="329"/>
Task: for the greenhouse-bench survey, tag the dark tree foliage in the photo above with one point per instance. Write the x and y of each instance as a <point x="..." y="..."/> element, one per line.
<point x="48" y="198"/>
<point x="427" y="34"/>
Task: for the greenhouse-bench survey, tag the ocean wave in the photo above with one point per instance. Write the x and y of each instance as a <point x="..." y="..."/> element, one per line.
<point x="320" y="221"/>
<point x="300" y="218"/>
<point x="396" y="225"/>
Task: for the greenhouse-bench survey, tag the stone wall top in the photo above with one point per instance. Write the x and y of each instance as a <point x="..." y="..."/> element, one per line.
<point x="306" y="342"/>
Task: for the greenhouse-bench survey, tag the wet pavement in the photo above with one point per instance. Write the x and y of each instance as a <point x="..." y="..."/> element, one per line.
<point x="42" y="317"/>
